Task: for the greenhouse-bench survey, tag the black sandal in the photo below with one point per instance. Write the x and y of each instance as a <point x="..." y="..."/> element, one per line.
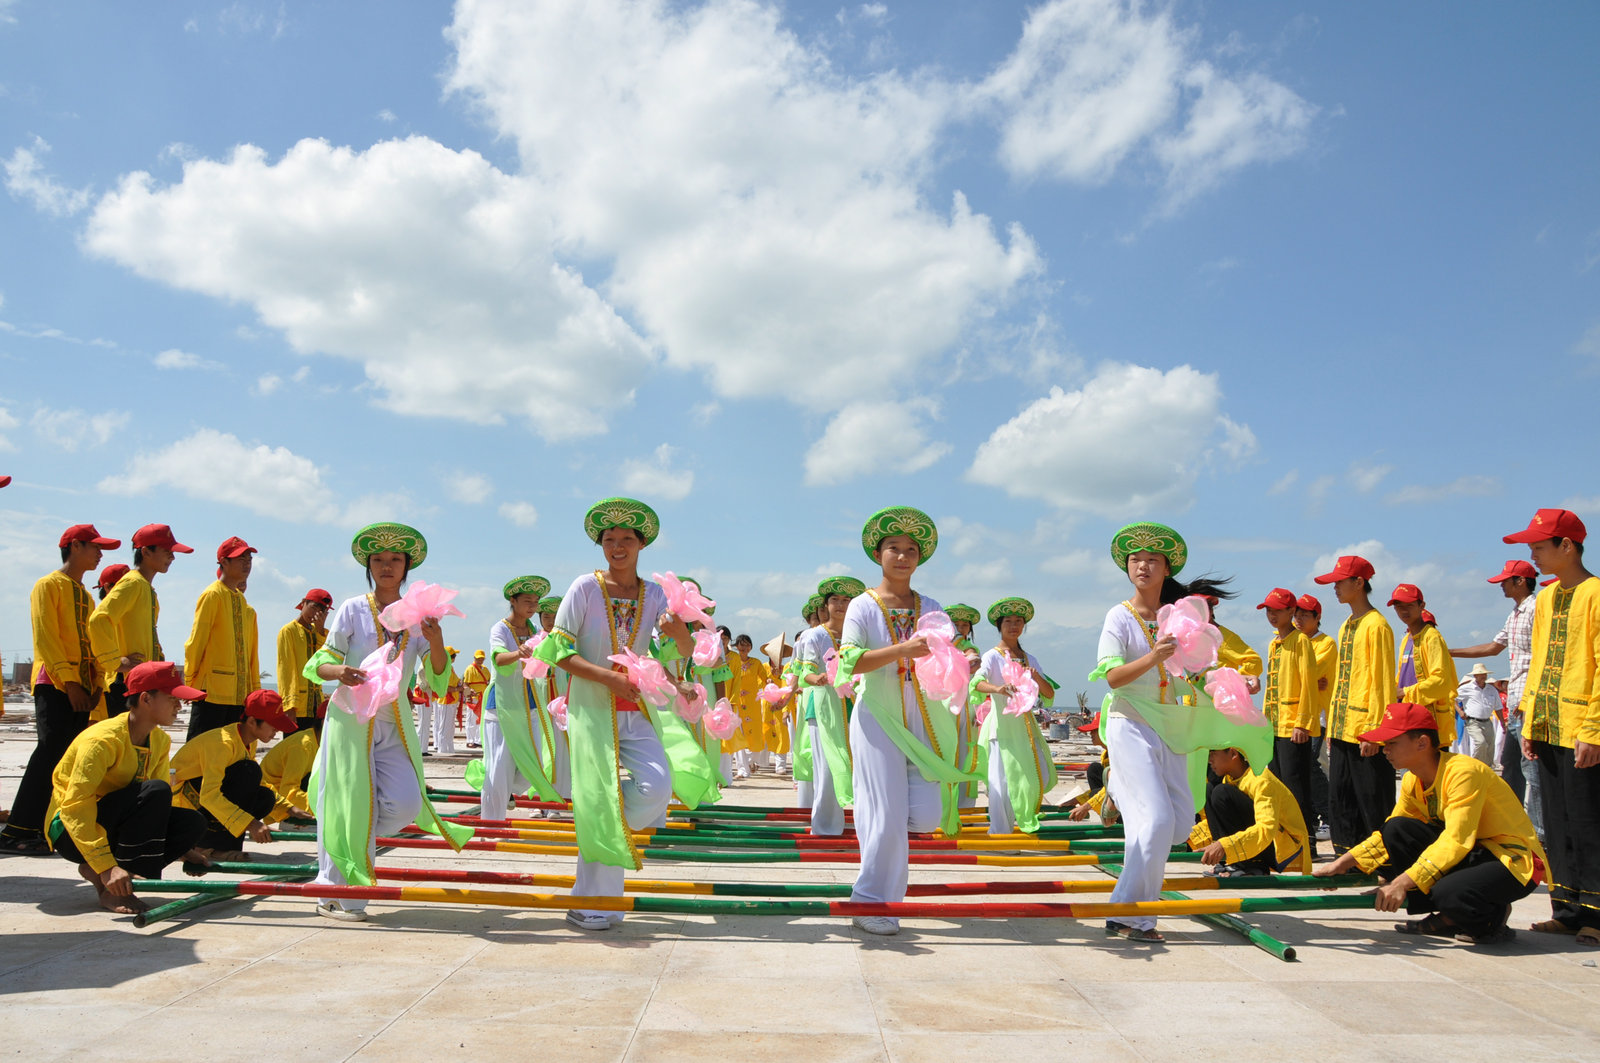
<point x="1432" y="925"/>
<point x="24" y="846"/>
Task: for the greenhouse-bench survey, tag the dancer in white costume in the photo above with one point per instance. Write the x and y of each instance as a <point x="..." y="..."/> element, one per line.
<point x="824" y="748"/>
<point x="519" y="737"/>
<point x="1021" y="770"/>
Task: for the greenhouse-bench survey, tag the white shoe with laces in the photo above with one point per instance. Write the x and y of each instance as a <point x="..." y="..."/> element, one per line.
<point x="881" y="925"/>
<point x="589" y="920"/>
<point x="335" y="910"/>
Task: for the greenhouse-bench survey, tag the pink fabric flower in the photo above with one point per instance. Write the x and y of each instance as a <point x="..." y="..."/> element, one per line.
<point x="1015" y="673"/>
<point x="1232" y="697"/>
<point x="533" y="667"/>
<point x="944" y="672"/>
<point x="721" y="722"/>
<point x="707" y="647"/>
<point x="691" y="710"/>
<point x="772" y="693"/>
<point x="558" y="712"/>
<point x="830" y="662"/>
<point x="381" y="688"/>
<point x="648" y="676"/>
<point x="421" y="601"/>
<point x="683" y="600"/>
<point x="983" y="711"/>
<point x="1188" y="621"/>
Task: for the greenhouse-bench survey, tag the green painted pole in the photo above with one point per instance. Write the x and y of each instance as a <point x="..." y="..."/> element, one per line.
<point x="1256" y="936"/>
<point x="205" y="893"/>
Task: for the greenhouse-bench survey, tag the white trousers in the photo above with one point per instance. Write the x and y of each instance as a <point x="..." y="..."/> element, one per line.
<point x="396" y="801"/>
<point x="1002" y="817"/>
<point x="474" y="728"/>
<point x="827" y="818"/>
<point x="645" y="796"/>
<point x="500" y="775"/>
<point x="892" y="798"/>
<point x="425" y="723"/>
<point x="1151" y="788"/>
<point x="444" y="729"/>
<point x="1478" y="739"/>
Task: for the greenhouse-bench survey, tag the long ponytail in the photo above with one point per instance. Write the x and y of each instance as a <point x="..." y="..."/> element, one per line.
<point x="1205" y="586"/>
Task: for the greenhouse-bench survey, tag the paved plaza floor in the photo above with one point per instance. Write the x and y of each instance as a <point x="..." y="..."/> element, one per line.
<point x="267" y="978"/>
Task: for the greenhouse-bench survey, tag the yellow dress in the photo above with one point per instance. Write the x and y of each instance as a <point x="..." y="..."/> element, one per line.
<point x="750" y="675"/>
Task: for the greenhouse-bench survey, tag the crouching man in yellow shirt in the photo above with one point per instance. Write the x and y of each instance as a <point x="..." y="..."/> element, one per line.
<point x="1458" y="845"/>
<point x="1252" y="823"/>
<point x="216" y="774"/>
<point x="111" y="810"/>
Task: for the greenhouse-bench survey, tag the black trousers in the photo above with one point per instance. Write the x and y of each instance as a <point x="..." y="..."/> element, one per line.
<point x="204" y="716"/>
<point x="1360" y="793"/>
<point x="146" y="833"/>
<point x="1229" y="810"/>
<point x="1292" y="764"/>
<point x="1511" y="764"/>
<point x="1095" y="774"/>
<point x="1474" y="895"/>
<point x="1571" y="798"/>
<point x="241" y="784"/>
<point x="116" y="697"/>
<point x="56" y="725"/>
<point x="1319" y="784"/>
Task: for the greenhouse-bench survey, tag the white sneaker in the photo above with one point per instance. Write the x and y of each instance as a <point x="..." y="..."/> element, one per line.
<point x="335" y="910"/>
<point x="1324" y="834"/>
<point x="881" y="925"/>
<point x="588" y="920"/>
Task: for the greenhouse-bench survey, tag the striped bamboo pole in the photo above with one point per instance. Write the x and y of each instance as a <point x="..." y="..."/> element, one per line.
<point x="173" y="909"/>
<point x="1255" y="935"/>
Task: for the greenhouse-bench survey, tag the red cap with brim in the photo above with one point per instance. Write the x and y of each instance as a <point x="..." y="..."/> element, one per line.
<point x="110" y="575"/>
<point x="233" y="546"/>
<point x="86" y="533"/>
<point x="267" y="706"/>
<point x="5" y="481"/>
<point x="1513" y="570"/>
<point x="1090" y="727"/>
<point x="1406" y="593"/>
<point x="1400" y="717"/>
<point x="1279" y="598"/>
<point x="1550" y="524"/>
<point x="164" y="676"/>
<point x="318" y="595"/>
<point x="160" y="535"/>
<point x="1351" y="566"/>
<point x="1309" y="604"/>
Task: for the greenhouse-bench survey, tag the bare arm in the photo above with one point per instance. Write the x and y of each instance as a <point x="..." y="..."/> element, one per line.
<point x="1482" y="649"/>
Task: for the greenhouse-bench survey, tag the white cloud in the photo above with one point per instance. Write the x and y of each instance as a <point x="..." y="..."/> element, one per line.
<point x="1463" y="487"/>
<point x="7" y="422"/>
<point x="1364" y="476"/>
<point x="273" y="481"/>
<point x="70" y="430"/>
<point x="1589" y="343"/>
<point x="399" y="257"/>
<point x="1075" y="449"/>
<point x="1072" y="563"/>
<point x="268" y="383"/>
<point x="654" y="477"/>
<point x="173" y="358"/>
<point x="522" y="514"/>
<point x="1576" y="504"/>
<point x="6" y="17"/>
<point x="1093" y="84"/>
<point x="27" y="181"/>
<point x="469" y="488"/>
<point x="386" y="115"/>
<point x="1284" y="482"/>
<point x="875" y="439"/>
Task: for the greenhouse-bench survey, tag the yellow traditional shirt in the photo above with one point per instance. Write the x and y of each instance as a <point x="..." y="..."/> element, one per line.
<point x="297" y="644"/>
<point x="100" y="761"/>
<point x="476" y="679"/>
<point x="1364" y="681"/>
<point x="124" y="624"/>
<point x="1236" y="653"/>
<point x="1289" y="665"/>
<point x="197" y="776"/>
<point x="221" y="656"/>
<point x="285" y="767"/>
<point x="1476" y="807"/>
<point x="1436" y="679"/>
<point x="1278" y="823"/>
<point x="1319" y="684"/>
<point x="748" y="679"/>
<point x="59" y="608"/>
<point x="1561" y="702"/>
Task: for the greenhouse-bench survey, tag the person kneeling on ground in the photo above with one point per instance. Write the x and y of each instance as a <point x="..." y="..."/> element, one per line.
<point x="1458" y="845"/>
<point x="216" y="774"/>
<point x="1252" y="823"/>
<point x="111" y="810"/>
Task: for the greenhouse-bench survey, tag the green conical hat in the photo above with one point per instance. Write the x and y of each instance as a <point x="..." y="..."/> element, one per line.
<point x="537" y="586"/>
<point x="385" y="536"/>
<point x="813" y="603"/>
<point x="622" y="513"/>
<point x="1010" y="607"/>
<point x="1156" y="538"/>
<point x="900" y="520"/>
<point x="550" y="604"/>
<point x="962" y="612"/>
<point x="847" y="586"/>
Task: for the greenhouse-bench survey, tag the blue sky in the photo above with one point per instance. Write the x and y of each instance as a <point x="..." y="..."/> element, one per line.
<point x="1300" y="280"/>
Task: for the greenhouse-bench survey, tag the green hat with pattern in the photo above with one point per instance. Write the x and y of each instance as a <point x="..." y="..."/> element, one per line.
<point x="1156" y="538"/>
<point x="550" y="604"/>
<point x="900" y="520"/>
<point x="537" y="586"/>
<point x="1010" y="607"/>
<point x="962" y="612"/>
<point x="846" y="586"/>
<point x="622" y="513"/>
<point x="386" y="536"/>
<point x="813" y="603"/>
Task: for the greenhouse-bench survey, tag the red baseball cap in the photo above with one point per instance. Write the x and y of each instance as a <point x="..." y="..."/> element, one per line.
<point x="1514" y="569"/>
<point x="1427" y="618"/>
<point x="1399" y="718"/>
<point x="268" y="706"/>
<point x="5" y="481"/>
<point x="160" y="535"/>
<point x="165" y="676"/>
<point x="1406" y="592"/>
<point x="233" y="546"/>
<point x="1310" y="604"/>
<point x="109" y="576"/>
<point x="1549" y="581"/>
<point x="86" y="533"/>
<point x="1278" y="598"/>
<point x="318" y="595"/>
<point x="1350" y="566"/>
<point x="1550" y="524"/>
<point x="1090" y="727"/>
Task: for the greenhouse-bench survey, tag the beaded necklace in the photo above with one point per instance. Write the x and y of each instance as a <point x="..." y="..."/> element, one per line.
<point x="1149" y="631"/>
<point x="902" y="625"/>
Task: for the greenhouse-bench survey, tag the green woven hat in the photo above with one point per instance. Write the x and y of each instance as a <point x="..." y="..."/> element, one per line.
<point x="848" y="586"/>
<point x="900" y="520"/>
<point x="962" y="612"/>
<point x="1010" y="607"/>
<point x="1156" y="538"/>
<point x="537" y="586"/>
<point x="813" y="603"/>
<point x="622" y="513"/>
<point x="550" y="604"/>
<point x="385" y="536"/>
